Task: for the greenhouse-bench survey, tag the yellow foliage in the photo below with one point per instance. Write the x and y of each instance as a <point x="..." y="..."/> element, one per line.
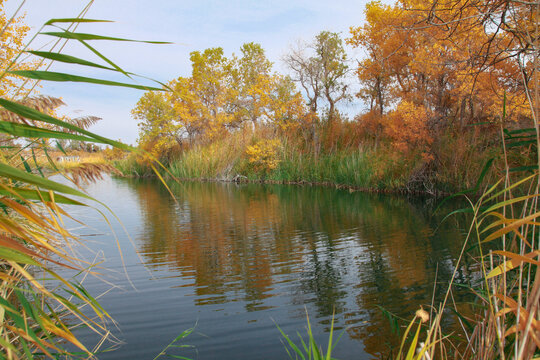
<point x="264" y="154"/>
<point x="12" y="40"/>
<point x="114" y="154"/>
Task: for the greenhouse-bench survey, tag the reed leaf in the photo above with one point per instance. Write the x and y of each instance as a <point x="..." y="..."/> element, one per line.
<point x="84" y="36"/>
<point x="412" y="347"/>
<point x="32" y="114"/>
<point x="75" y="21"/>
<point x="63" y="77"/>
<point x="68" y="59"/>
<point x="516" y="260"/>
<point x="10" y="254"/>
<point x="311" y="350"/>
<point x="13" y="173"/>
<point x="512" y="227"/>
<point x="27" y="131"/>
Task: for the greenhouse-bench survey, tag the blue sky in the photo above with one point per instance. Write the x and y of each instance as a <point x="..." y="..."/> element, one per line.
<point x="190" y="25"/>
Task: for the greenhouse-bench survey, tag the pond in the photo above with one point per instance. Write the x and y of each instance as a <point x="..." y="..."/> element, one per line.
<point x="235" y="261"/>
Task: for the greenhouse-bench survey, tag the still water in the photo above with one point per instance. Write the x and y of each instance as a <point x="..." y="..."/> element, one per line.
<point x="234" y="261"/>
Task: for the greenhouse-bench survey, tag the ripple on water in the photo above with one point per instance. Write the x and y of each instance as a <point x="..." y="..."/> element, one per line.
<point x="237" y="260"/>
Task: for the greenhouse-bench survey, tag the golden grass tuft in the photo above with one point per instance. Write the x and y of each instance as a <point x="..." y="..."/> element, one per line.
<point x="90" y="172"/>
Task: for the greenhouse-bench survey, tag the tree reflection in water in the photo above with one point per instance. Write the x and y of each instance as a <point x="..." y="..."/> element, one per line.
<point x="335" y="250"/>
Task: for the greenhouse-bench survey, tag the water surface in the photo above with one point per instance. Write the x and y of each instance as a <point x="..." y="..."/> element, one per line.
<point x="235" y="260"/>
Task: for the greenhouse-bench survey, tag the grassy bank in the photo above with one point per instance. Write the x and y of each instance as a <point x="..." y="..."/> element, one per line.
<point x="362" y="164"/>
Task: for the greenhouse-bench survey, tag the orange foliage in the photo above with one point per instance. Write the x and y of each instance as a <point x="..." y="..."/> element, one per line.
<point x="370" y="124"/>
<point x="459" y="72"/>
<point x="407" y="128"/>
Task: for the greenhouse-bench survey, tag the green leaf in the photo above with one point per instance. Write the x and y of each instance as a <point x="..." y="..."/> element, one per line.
<point x="530" y="136"/>
<point x="90" y="299"/>
<point x="62" y="77"/>
<point x="26" y="166"/>
<point x="507" y="188"/>
<point x="74" y="20"/>
<point x="392" y="320"/>
<point x="37" y="164"/>
<point x="519" y="131"/>
<point x="9" y="307"/>
<point x="521" y="143"/>
<point x="61" y="148"/>
<point x="184" y="334"/>
<point x="509" y="202"/>
<point x="83" y="36"/>
<point x="412" y="347"/>
<point x="67" y="59"/>
<point x="525" y="168"/>
<point x="33" y="114"/>
<point x="483" y="174"/>
<point x="28" y="194"/>
<point x="16" y="174"/>
<point x="7" y="345"/>
<point x="480" y="123"/>
<point x="100" y="55"/>
<point x="292" y="344"/>
<point x="23" y="130"/>
<point x="330" y="340"/>
<point x="75" y="60"/>
<point x="17" y="256"/>
<point x="81" y="39"/>
<point x="51" y="162"/>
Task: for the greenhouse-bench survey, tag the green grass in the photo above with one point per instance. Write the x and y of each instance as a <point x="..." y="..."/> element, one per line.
<point x="454" y="164"/>
<point x="357" y="167"/>
<point x="129" y="166"/>
<point x="309" y="349"/>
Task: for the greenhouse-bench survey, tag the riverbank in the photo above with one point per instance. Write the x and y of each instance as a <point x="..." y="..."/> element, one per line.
<point x="368" y="166"/>
<point x="327" y="184"/>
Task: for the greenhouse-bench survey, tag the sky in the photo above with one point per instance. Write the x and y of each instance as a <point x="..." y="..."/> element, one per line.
<point x="189" y="25"/>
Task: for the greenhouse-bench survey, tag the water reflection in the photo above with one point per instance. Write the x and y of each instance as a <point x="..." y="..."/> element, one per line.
<point x="283" y="246"/>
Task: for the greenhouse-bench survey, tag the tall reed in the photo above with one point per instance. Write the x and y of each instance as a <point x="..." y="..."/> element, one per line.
<point x="505" y="236"/>
<point x="37" y="319"/>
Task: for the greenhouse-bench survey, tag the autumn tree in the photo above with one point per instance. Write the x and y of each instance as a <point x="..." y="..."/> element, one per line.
<point x="408" y="130"/>
<point x="321" y="68"/>
<point x="374" y="71"/>
<point x="221" y="95"/>
<point x="287" y="106"/>
<point x="263" y="96"/>
<point x="187" y="108"/>
<point x="401" y="65"/>
<point x="501" y="39"/>
<point x="253" y="79"/>
<point x="157" y="129"/>
<point x="333" y="62"/>
<point x="210" y="84"/>
<point x="430" y="66"/>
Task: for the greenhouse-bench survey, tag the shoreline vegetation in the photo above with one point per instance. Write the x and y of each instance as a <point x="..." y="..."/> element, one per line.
<point x="242" y="179"/>
<point x="361" y="168"/>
